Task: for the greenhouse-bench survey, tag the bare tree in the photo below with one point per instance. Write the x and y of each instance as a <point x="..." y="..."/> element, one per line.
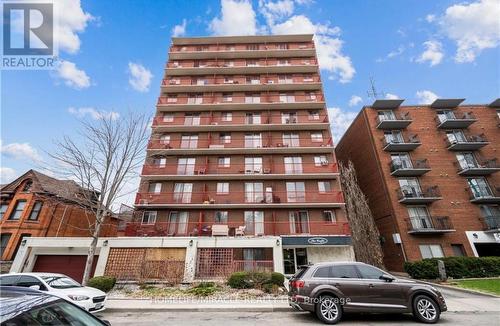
<point x="107" y="156"/>
<point x="365" y="235"/>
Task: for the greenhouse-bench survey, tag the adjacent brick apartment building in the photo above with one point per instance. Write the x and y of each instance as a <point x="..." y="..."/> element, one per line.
<point x="36" y="205"/>
<point x="241" y="149"/>
<point x="430" y="174"/>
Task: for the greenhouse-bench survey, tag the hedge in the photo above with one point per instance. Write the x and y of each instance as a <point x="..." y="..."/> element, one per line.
<point x="256" y="280"/>
<point x="456" y="267"/>
<point x="103" y="283"/>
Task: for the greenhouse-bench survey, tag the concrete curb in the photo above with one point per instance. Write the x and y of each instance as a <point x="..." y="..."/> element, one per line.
<point x="205" y="309"/>
<point x="449" y="287"/>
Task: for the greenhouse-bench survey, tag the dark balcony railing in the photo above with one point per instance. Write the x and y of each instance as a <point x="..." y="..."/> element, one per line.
<point x="235" y="228"/>
<point x="466" y="142"/>
<point x="409" y="167"/>
<point x="491" y="223"/>
<point x="208" y="169"/>
<point x="239" y="197"/>
<point x="397" y="121"/>
<point x="462" y="120"/>
<point x="212" y="81"/>
<point x="411" y="195"/>
<point x="429" y="224"/>
<point x="477" y="166"/>
<point x="237" y="99"/>
<point x="401" y="144"/>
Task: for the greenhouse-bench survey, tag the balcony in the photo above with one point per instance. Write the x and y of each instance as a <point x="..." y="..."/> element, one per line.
<point x="466" y="142"/>
<point x="478" y="167"/>
<point x="414" y="168"/>
<point x="213" y="171"/>
<point x="204" y="228"/>
<point x="483" y="195"/>
<point x="415" y="195"/>
<point x="451" y="121"/>
<point x="241" y="84"/>
<point x="223" y="53"/>
<point x="219" y="102"/>
<point x="401" y="145"/>
<point x="395" y="122"/>
<point x="491" y="223"/>
<point x="208" y="200"/>
<point x="429" y="225"/>
<point x="239" y="121"/>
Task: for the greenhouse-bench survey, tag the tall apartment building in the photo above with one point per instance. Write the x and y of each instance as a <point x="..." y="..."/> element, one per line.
<point x="241" y="153"/>
<point x="430" y="175"/>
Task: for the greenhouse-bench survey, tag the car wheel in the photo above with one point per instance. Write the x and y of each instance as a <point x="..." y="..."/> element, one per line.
<point x="425" y="309"/>
<point x="329" y="310"/>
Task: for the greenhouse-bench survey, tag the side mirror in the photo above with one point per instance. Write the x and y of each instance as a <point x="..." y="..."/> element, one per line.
<point x="34" y="287"/>
<point x="387" y="277"/>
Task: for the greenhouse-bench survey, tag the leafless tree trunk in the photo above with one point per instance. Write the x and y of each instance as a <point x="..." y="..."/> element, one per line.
<point x="105" y="157"/>
<point x="365" y="235"/>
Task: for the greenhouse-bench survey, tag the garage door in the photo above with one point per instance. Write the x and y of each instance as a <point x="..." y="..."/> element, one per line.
<point x="71" y="265"/>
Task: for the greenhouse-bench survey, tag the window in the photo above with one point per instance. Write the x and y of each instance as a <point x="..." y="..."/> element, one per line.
<point x="329" y="217"/>
<point x="165" y="139"/>
<point x="410" y="187"/>
<point x="8" y="280"/>
<point x="18" y="210"/>
<point x="174" y="81"/>
<point x="252" y="119"/>
<point x="401" y="161"/>
<point x="27" y="186"/>
<point x="202" y="48"/>
<point x="252" y="63"/>
<point x="172" y="99"/>
<point x="252" y="47"/>
<point x="224" y="162"/>
<point x="323" y="272"/>
<point x="229" y="63"/>
<point x="227" y="97"/>
<point x="227" y="116"/>
<point x="192" y="119"/>
<point x="369" y="272"/>
<point x="282" y="46"/>
<point x="35" y="211"/>
<point x="386" y="115"/>
<point x="293" y="258"/>
<point x="230" y="48"/>
<point x="4" y="241"/>
<point x="27" y="281"/>
<point x="253" y="140"/>
<point x="444" y="115"/>
<point x="313" y="115"/>
<point x="154" y="187"/>
<point x="466" y="160"/>
<point x="456" y="136"/>
<point x="283" y="62"/>
<point x="308" y="78"/>
<point x="255" y="80"/>
<point x="310" y="96"/>
<point x="324" y="186"/>
<point x="299" y="222"/>
<point x="431" y="251"/>
<point x="291" y="139"/>
<point x="148" y="217"/>
<point x="253" y="165"/>
<point x="254" y="192"/>
<point x="177" y="223"/>
<point x="295" y="192"/>
<point x="160" y="161"/>
<point x="195" y="99"/>
<point x="225" y="138"/>
<point x="254" y="222"/>
<point x="252" y="98"/>
<point x="200" y="63"/>
<point x="189" y="141"/>
<point x="3" y="209"/>
<point x="479" y="187"/>
<point x="344" y="271"/>
<point x="317" y="136"/>
<point x="491" y="215"/>
<point x="185" y="166"/>
<point x="287" y="98"/>
<point x="393" y="137"/>
<point x="221" y="217"/>
<point x="320" y="160"/>
<point x="182" y="192"/>
<point x="228" y="80"/>
<point x="285" y="79"/>
<point x="293" y="164"/>
<point x="458" y="250"/>
<point x="288" y="117"/>
<point x="222" y="188"/>
<point x="200" y="81"/>
<point x="419" y="217"/>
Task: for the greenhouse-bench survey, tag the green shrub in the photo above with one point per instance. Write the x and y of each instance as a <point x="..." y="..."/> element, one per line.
<point x="203" y="289"/>
<point x="456" y="267"/>
<point x="277" y="279"/>
<point x="103" y="283"/>
<point x="271" y="288"/>
<point x="239" y="280"/>
<point x="258" y="279"/>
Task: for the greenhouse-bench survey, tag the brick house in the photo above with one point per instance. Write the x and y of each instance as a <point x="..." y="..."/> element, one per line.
<point x="36" y="205"/>
<point x="430" y="173"/>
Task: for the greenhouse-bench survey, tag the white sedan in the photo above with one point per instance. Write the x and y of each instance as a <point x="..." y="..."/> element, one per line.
<point x="90" y="299"/>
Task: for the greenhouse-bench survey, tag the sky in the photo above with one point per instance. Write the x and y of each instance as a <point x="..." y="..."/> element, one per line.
<point x="113" y="53"/>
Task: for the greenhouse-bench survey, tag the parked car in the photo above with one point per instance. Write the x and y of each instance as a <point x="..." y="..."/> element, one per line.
<point x="330" y="289"/>
<point x="90" y="299"/>
<point x="24" y="306"/>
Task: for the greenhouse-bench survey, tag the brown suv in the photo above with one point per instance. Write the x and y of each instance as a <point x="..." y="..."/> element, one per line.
<point x="330" y="289"/>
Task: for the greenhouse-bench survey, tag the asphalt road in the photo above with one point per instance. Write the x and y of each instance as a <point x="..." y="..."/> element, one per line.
<point x="284" y="318"/>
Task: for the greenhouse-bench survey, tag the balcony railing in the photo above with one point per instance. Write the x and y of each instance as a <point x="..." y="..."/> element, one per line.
<point x="418" y="195"/>
<point x="234" y="228"/>
<point x="491" y="223"/>
<point x="241" y="118"/>
<point x="240" y="48"/>
<point x="463" y="120"/>
<point x="237" y="99"/>
<point x="240" y="198"/>
<point x="238" y="81"/>
<point x="401" y="145"/>
<point x="466" y="142"/>
<point x="409" y="168"/>
<point x="397" y="121"/>
<point x="285" y="62"/>
<point x="240" y="169"/>
<point x="429" y="224"/>
<point x="238" y="142"/>
<point x="483" y="195"/>
<point x="479" y="166"/>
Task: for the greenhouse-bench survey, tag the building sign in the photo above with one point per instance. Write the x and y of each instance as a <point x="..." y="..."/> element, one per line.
<point x="316" y="241"/>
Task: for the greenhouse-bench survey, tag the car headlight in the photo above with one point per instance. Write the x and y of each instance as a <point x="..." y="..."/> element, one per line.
<point x="78" y="297"/>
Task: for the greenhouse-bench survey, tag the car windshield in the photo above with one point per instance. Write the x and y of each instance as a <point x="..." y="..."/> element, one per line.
<point x="61" y="282"/>
<point x="58" y="312"/>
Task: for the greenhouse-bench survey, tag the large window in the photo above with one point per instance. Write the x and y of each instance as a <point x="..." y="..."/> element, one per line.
<point x="18" y="210"/>
<point x="289" y="117"/>
<point x="293" y="164"/>
<point x="324" y="187"/>
<point x="195" y="99"/>
<point x="159" y="161"/>
<point x="401" y="161"/>
<point x="222" y="188"/>
<point x="329" y="217"/>
<point x="252" y="119"/>
<point x="192" y="119"/>
<point x="291" y="139"/>
<point x="189" y="141"/>
<point x="224" y="162"/>
<point x="149" y="217"/>
<point x="410" y="187"/>
<point x="491" y="215"/>
<point x="183" y="192"/>
<point x="4" y="241"/>
<point x="178" y="223"/>
<point x="154" y="187"/>
<point x="35" y="211"/>
<point x="254" y="222"/>
<point x="252" y="98"/>
<point x="393" y="137"/>
<point x="3" y="209"/>
<point x="466" y="160"/>
<point x="419" y="217"/>
<point x="479" y="187"/>
<point x="295" y="192"/>
<point x="287" y="98"/>
<point x="456" y="136"/>
<point x="185" y="166"/>
<point x="320" y="160"/>
<point x="253" y="140"/>
<point x="254" y="192"/>
<point x="224" y="138"/>
<point x="220" y="217"/>
<point x="444" y="115"/>
<point x="299" y="222"/>
<point x="386" y="115"/>
<point x="253" y="165"/>
<point x="431" y="251"/>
